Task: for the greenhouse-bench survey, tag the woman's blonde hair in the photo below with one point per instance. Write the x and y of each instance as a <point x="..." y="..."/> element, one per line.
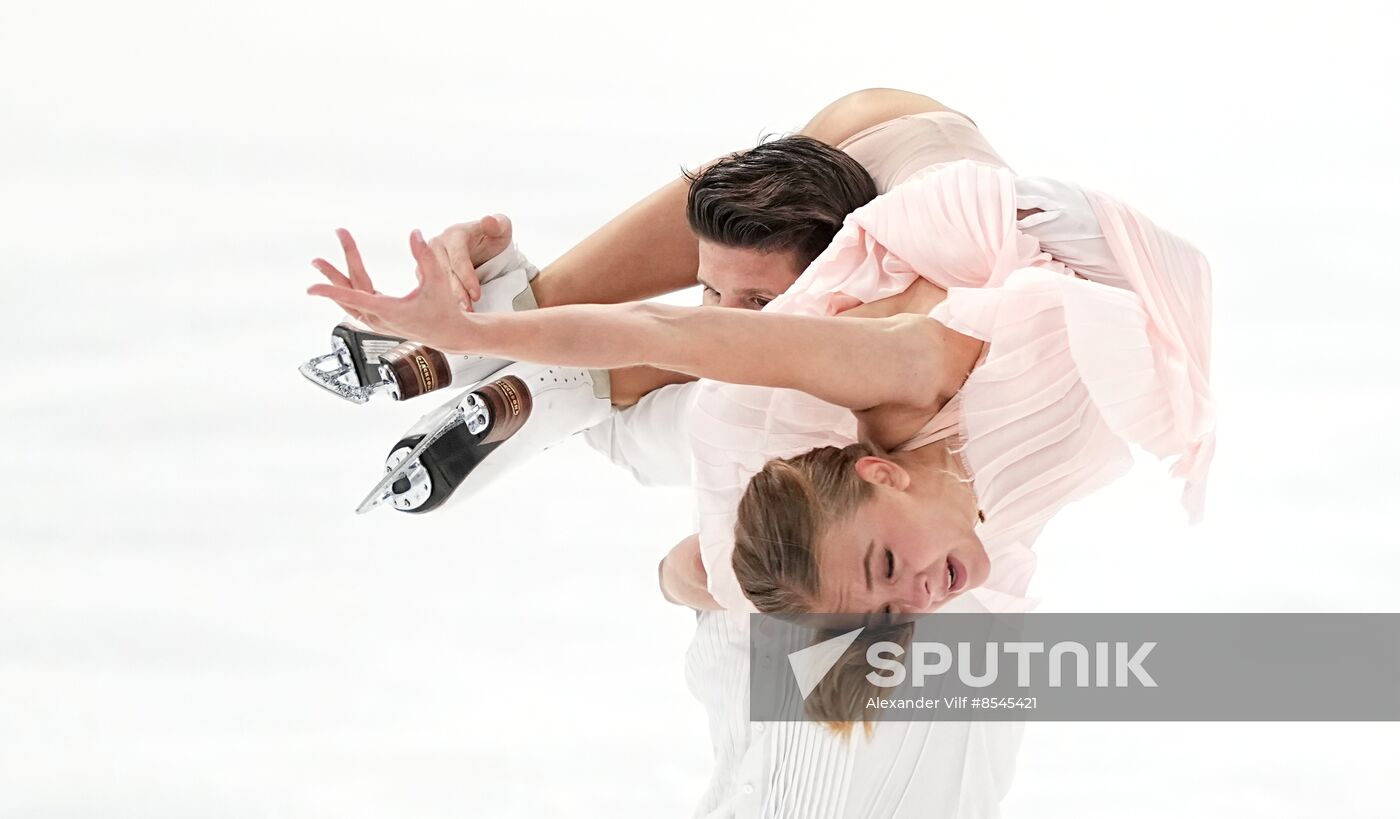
<point x="785" y="511"/>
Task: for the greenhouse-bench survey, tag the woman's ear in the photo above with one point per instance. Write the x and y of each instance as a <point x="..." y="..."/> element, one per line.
<point x="882" y="472"/>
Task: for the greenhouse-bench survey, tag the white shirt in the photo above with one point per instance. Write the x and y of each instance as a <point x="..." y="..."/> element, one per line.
<point x="803" y="770"/>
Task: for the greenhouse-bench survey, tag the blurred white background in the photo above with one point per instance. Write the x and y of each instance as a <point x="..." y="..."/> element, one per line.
<point x="194" y="624"/>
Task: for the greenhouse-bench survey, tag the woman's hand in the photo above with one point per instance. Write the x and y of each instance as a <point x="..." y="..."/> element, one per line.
<point x="461" y="248"/>
<point x="435" y="312"/>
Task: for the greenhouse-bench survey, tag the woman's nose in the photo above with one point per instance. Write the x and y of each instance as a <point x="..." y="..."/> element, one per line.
<point x="919" y="593"/>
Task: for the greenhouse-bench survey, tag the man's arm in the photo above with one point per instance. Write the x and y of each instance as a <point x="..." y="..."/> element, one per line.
<point x="649" y="249"/>
<point x="645" y="251"/>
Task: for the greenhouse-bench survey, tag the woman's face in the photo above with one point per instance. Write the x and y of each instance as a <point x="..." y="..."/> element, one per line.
<point x="901" y="551"/>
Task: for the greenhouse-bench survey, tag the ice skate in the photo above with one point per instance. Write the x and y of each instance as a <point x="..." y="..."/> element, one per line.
<point x="363" y="364"/>
<point x="518" y="411"/>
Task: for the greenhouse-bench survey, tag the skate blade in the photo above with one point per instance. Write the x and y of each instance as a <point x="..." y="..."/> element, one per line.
<point x="384" y="490"/>
<point x="332" y="374"/>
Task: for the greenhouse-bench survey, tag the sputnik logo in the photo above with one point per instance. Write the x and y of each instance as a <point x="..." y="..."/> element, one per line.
<point x="811" y="664"/>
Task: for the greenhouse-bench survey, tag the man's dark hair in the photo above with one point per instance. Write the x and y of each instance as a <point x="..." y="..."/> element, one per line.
<point x="791" y="194"/>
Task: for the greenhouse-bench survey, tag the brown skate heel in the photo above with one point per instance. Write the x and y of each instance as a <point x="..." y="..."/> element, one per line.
<point x="509" y="403"/>
<point x="413" y="369"/>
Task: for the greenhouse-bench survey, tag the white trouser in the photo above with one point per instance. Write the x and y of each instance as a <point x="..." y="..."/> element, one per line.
<point x="651" y="438"/>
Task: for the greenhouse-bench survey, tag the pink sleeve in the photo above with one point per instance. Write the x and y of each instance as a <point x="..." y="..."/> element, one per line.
<point x="1075" y="372"/>
<point x="1173" y="280"/>
<point x="953" y="224"/>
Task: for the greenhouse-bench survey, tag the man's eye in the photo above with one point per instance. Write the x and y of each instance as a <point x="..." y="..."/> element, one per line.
<point x="759" y="303"/>
<point x="709" y="294"/>
<point x="889" y="564"/>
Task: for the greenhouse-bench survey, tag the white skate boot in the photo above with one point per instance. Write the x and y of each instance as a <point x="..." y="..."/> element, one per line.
<point x="362" y="363"/>
<point x="518" y="411"/>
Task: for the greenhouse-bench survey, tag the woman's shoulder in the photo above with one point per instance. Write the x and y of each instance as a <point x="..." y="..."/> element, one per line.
<point x="859" y="110"/>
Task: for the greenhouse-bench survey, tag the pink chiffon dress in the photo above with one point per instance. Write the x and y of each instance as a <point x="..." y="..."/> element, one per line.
<point x="1080" y="363"/>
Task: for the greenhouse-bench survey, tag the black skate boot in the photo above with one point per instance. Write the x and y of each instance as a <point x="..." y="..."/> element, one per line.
<point x="520" y="410"/>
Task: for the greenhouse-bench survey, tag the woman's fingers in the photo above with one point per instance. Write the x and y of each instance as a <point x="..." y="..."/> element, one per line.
<point x="417" y="314"/>
<point x="439" y="247"/>
<point x="435" y="279"/>
<point x="496" y="225"/>
<point x="328" y="270"/>
<point x="444" y="248"/>
<point x="353" y="299"/>
<point x="489" y="236"/>
<point x="460" y="263"/>
<point x="359" y="277"/>
<point x="338" y="279"/>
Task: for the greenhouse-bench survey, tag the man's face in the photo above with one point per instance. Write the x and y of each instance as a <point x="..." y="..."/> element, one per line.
<point x="736" y="277"/>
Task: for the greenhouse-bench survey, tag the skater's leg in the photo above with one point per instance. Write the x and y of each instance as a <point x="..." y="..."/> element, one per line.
<point x="465" y="444"/>
<point x="649" y="439"/>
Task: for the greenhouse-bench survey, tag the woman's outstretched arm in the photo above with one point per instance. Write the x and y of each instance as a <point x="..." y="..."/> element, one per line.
<point x="853" y="362"/>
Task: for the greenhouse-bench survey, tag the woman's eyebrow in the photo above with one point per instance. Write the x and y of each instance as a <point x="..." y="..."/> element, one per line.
<point x="869" y="550"/>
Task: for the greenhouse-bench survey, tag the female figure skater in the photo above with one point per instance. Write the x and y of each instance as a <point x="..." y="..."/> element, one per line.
<point x="1006" y="386"/>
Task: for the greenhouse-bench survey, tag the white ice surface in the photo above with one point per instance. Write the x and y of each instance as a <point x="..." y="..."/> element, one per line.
<point x="193" y="623"/>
